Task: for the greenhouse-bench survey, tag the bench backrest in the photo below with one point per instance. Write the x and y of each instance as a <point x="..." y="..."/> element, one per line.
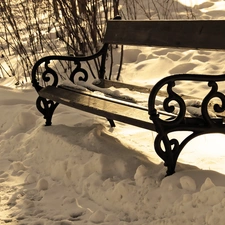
<point x="204" y="34"/>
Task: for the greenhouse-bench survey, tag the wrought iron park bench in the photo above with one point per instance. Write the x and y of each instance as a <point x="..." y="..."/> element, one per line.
<point x="52" y="84"/>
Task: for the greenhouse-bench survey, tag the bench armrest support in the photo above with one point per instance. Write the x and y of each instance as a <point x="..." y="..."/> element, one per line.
<point x="46" y="70"/>
<point x="210" y="119"/>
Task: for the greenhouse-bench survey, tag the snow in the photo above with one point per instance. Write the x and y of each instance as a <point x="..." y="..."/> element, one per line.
<point x="81" y="171"/>
<point x="86" y="86"/>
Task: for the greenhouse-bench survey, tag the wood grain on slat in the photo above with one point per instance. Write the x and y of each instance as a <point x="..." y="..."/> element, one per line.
<point x="106" y="107"/>
<point x="202" y="34"/>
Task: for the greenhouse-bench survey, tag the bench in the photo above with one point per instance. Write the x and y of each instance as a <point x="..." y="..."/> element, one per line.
<point x="71" y="80"/>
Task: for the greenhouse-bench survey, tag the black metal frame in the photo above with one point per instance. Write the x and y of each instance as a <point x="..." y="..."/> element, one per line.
<point x="46" y="106"/>
<point x="198" y="126"/>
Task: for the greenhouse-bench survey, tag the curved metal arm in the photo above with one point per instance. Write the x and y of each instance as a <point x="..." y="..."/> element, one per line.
<point x="50" y="73"/>
<point x="171" y="148"/>
<point x="170" y="82"/>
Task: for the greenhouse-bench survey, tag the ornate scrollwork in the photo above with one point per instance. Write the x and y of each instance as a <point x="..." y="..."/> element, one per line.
<point x="57" y="73"/>
<point x="171" y="152"/>
<point x="49" y="71"/>
<point x="77" y="70"/>
<point x="47" y="108"/>
<point x="213" y="103"/>
<point x="168" y="107"/>
<point x="172" y="148"/>
<point x="218" y="108"/>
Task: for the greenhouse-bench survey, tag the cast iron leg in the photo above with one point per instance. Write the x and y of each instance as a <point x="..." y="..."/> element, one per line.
<point x="112" y="124"/>
<point x="47" y="108"/>
<point x="169" y="154"/>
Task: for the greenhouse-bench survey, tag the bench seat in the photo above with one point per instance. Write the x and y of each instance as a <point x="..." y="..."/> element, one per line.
<point x="107" y="107"/>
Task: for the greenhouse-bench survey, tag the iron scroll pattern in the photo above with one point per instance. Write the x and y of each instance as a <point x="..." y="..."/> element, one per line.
<point x="198" y="126"/>
<point x="50" y="76"/>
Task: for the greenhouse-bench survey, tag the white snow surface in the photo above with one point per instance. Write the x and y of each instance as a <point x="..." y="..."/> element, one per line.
<point x="81" y="171"/>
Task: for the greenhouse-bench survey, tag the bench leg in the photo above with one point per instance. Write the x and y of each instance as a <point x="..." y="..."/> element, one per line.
<point x="111" y="122"/>
<point x="170" y="154"/>
<point x="172" y="148"/>
<point x="47" y="108"/>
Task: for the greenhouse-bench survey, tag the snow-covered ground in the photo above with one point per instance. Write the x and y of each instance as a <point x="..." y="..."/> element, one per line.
<point x="81" y="171"/>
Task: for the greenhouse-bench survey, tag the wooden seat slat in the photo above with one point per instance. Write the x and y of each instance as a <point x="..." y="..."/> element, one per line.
<point x="115" y="110"/>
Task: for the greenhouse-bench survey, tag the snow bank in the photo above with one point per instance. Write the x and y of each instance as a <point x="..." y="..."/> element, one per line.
<point x="80" y="171"/>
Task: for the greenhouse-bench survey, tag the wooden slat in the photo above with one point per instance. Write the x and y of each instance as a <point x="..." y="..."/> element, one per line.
<point x="205" y="34"/>
<point x="106" y="107"/>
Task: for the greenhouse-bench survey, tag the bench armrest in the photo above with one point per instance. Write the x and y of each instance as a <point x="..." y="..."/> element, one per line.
<point x="52" y="70"/>
<point x="207" y="122"/>
<point x="207" y="106"/>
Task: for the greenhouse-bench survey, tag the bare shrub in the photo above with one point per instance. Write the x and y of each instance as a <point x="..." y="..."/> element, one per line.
<point x="30" y="29"/>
